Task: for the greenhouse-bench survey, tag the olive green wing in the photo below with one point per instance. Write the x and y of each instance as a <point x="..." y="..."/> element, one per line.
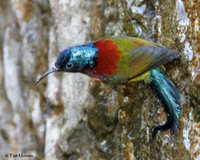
<point x="148" y="57"/>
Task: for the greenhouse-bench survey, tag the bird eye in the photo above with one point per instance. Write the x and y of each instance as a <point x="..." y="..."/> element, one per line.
<point x="91" y="63"/>
<point x="69" y="65"/>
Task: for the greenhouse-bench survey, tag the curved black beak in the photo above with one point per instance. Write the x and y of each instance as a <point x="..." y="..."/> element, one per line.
<point x="54" y="69"/>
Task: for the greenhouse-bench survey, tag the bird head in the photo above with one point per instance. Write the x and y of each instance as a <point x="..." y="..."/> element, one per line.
<point x="74" y="59"/>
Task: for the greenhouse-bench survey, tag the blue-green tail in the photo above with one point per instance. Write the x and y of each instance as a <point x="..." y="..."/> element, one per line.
<point x="170" y="97"/>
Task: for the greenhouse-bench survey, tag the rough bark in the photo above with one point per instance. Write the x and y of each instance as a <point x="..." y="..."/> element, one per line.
<point x="70" y="116"/>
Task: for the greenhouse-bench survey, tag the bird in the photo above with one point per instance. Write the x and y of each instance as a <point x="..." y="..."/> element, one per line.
<point x="121" y="60"/>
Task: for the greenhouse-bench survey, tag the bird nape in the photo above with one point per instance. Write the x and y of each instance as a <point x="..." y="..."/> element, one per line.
<point x="121" y="60"/>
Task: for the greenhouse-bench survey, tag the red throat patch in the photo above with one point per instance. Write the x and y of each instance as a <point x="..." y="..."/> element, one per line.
<point x="108" y="58"/>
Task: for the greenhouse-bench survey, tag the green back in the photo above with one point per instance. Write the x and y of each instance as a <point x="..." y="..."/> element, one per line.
<point x="139" y="56"/>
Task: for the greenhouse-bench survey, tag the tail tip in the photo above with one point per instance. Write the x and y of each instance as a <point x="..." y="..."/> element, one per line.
<point x="173" y="128"/>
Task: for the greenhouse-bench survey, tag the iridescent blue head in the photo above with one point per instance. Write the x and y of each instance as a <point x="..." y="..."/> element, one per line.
<point x="74" y="59"/>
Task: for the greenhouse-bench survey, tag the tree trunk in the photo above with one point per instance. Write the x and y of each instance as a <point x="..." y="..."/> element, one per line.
<point x="70" y="116"/>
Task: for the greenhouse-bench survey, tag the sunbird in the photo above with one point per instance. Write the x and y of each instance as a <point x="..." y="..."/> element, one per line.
<point x="122" y="60"/>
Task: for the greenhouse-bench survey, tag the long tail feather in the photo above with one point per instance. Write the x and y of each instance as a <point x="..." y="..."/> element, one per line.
<point x="170" y="97"/>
